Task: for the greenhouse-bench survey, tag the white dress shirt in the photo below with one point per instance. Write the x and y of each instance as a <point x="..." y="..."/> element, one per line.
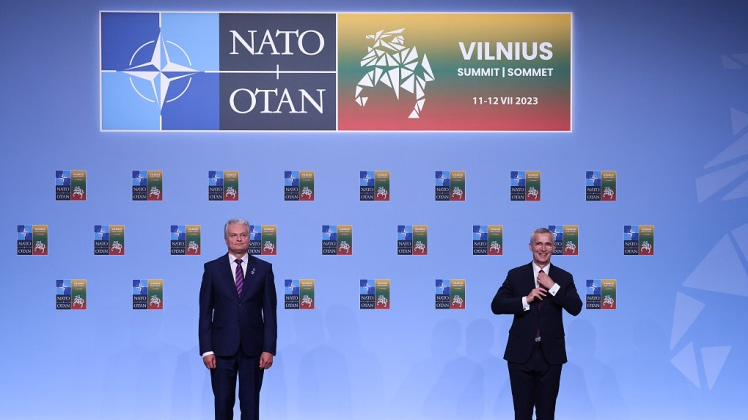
<point x="536" y="271"/>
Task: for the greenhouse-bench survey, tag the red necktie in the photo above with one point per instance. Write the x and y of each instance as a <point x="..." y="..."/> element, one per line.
<point x="540" y="302"/>
<point x="540" y="306"/>
<point x="239" y="277"/>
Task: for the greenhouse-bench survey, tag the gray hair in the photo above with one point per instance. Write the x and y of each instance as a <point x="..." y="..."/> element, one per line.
<point x="235" y="221"/>
<point x="541" y="231"/>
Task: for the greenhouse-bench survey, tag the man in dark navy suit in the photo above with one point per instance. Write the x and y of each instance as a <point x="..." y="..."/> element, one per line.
<point x="238" y="324"/>
<point x="536" y="294"/>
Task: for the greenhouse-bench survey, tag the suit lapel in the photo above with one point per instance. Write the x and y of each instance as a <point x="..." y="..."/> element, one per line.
<point x="249" y="275"/>
<point x="530" y="276"/>
<point x="552" y="271"/>
<point x="528" y="283"/>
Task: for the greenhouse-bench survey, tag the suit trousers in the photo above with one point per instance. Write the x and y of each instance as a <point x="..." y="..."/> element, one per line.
<point x="223" y="381"/>
<point x="535" y="385"/>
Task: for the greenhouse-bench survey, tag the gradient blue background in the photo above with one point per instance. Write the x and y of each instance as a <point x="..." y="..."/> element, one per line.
<point x="660" y="95"/>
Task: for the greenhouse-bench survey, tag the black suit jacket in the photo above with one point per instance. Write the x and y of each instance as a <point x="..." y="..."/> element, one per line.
<point x="228" y="321"/>
<point x="548" y="318"/>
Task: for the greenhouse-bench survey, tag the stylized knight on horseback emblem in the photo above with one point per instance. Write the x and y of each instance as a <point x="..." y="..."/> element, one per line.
<point x="397" y="66"/>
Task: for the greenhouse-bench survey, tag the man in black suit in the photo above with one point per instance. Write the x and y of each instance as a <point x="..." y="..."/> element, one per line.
<point x="238" y="324"/>
<point x="536" y="294"/>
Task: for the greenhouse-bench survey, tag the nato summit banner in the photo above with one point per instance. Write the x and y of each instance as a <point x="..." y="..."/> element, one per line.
<point x="217" y="71"/>
<point x="454" y="72"/>
<point x="335" y="72"/>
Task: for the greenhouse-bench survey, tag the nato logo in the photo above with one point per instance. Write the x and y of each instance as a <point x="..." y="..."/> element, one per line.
<point x="109" y="240"/>
<point x="517" y="187"/>
<point x="223" y="185"/>
<point x="70" y="294"/>
<point x="62" y="178"/>
<point x="374" y="294"/>
<point x="525" y="186"/>
<point x="600" y="185"/>
<point x="593" y="185"/>
<point x="291" y="187"/>
<point x="63" y="299"/>
<point x="442" y="299"/>
<point x="638" y="240"/>
<point x="299" y="294"/>
<point x="412" y="239"/>
<point x="291" y="295"/>
<point x="329" y="240"/>
<point x="24" y="233"/>
<point x="450" y="186"/>
<point x="147" y="185"/>
<point x="185" y="240"/>
<point x="631" y="233"/>
<point x="450" y="294"/>
<point x="148" y="294"/>
<point x="70" y="185"/>
<point x="337" y="240"/>
<point x="139" y="185"/>
<point x="601" y="294"/>
<point x="263" y="240"/>
<point x="217" y="71"/>
<point x="367" y="298"/>
<point x="374" y="185"/>
<point x="32" y="240"/>
<point x="25" y="240"/>
<point x="140" y="294"/>
<point x="298" y="185"/>
<point x="155" y="71"/>
<point x="593" y="297"/>
<point x="565" y="239"/>
<point x="488" y="239"/>
<point x="630" y="240"/>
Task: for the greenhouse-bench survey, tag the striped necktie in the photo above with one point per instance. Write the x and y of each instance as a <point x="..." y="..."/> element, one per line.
<point x="239" y="276"/>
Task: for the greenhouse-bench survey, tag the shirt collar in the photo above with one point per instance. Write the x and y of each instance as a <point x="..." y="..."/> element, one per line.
<point x="232" y="259"/>
<point x="536" y="270"/>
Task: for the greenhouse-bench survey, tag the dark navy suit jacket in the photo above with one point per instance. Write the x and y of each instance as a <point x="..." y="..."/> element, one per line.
<point x="546" y="317"/>
<point x="228" y="321"/>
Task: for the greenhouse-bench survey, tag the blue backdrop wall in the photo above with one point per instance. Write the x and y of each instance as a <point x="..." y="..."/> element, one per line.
<point x="660" y="95"/>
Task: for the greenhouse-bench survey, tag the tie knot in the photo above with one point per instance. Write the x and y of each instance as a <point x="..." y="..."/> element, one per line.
<point x="238" y="261"/>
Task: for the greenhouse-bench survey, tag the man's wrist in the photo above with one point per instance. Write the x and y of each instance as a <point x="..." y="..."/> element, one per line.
<point x="554" y="289"/>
